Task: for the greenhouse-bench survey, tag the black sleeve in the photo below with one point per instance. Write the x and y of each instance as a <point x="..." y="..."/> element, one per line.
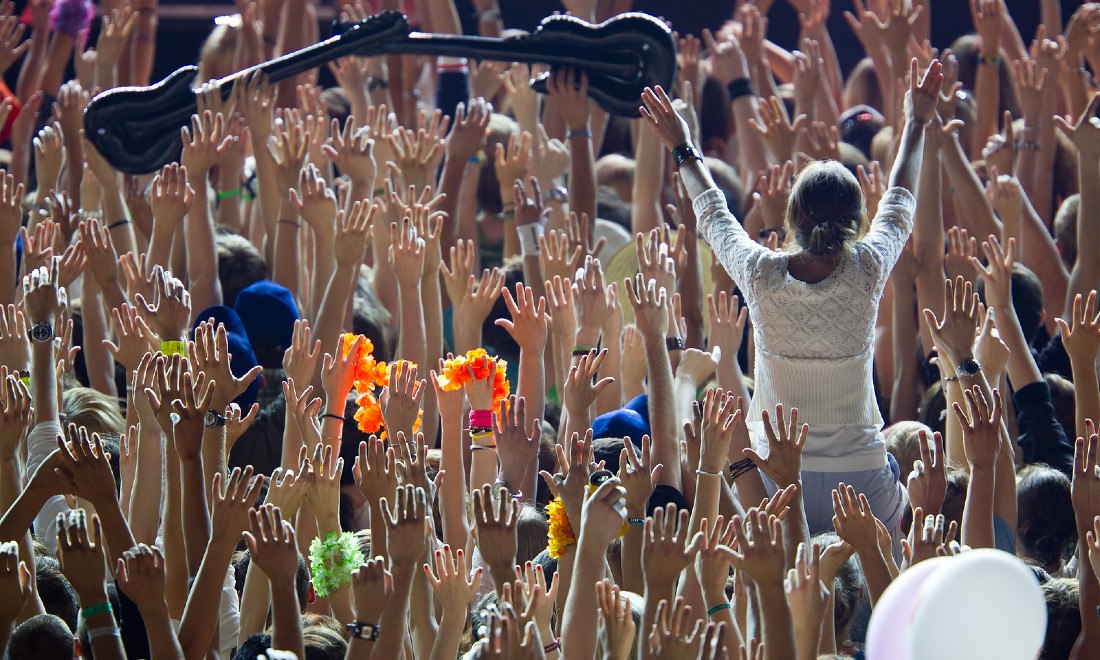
<point x="1042" y="438"/>
<point x="451" y="89"/>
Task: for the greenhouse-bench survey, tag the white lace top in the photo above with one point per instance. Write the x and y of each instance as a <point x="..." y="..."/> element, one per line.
<point x="815" y="341"/>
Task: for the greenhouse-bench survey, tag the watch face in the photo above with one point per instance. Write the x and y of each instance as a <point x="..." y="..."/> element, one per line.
<point x="209" y="419"/>
<point x="42" y="332"/>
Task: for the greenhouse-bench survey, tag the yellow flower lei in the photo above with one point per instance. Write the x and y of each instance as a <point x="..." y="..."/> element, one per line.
<point x="559" y="533"/>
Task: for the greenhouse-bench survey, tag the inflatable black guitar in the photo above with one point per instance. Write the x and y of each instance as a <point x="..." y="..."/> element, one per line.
<point x="137" y="129"/>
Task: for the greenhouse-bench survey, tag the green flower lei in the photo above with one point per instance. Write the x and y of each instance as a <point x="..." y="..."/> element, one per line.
<point x="332" y="561"/>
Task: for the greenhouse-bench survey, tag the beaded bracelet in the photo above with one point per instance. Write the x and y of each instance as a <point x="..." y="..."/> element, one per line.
<point x="635" y="521"/>
<point x="991" y="60"/>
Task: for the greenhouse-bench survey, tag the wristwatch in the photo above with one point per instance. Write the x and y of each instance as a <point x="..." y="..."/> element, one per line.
<point x="213" y="419"/>
<point x="42" y="331"/>
<point x="968" y="368"/>
<point x="365" y="631"/>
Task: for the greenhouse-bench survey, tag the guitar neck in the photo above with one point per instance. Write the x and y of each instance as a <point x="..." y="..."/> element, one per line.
<point x="528" y="51"/>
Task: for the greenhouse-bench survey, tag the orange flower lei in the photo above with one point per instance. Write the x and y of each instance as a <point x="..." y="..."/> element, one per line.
<point x="559" y="533"/>
<point x="370" y="374"/>
<point x="456" y="373"/>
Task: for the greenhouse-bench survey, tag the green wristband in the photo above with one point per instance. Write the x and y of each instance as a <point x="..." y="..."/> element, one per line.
<point x="98" y="608"/>
<point x="717" y="608"/>
<point x="226" y="194"/>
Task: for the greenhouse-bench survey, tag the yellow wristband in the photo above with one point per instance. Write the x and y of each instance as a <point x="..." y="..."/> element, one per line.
<point x="173" y="348"/>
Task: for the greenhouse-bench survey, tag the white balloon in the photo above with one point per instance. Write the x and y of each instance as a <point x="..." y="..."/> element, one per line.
<point x="892" y="617"/>
<point x="983" y="604"/>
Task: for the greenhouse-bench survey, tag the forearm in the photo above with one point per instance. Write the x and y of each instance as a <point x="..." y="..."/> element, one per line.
<point x="987" y="91"/>
<point x="148" y="484"/>
<point x="450" y="185"/>
<point x="1086" y="272"/>
<point x="286" y="618"/>
<point x="324" y="259"/>
<point x="44" y="383"/>
<point x="410" y="342"/>
<point x="1039" y="252"/>
<point x="1086" y="393"/>
<point x="907" y="166"/>
<point x="977" y="522"/>
<point x="176" y="574"/>
<point x="255" y="603"/>
<point x="385" y="283"/>
<point x="452" y="494"/>
<point x="905" y="398"/>
<point x="691" y="293"/>
<point x="754" y="153"/>
<point x="611" y="397"/>
<point x="582" y="176"/>
<point x="875" y="570"/>
<point x="284" y="270"/>
<point x="202" y="251"/>
<point x="431" y="298"/>
<point x="974" y="206"/>
<point x="331" y="313"/>
<point x="393" y="623"/>
<point x="578" y="628"/>
<point x="662" y="416"/>
<point x="776" y="621"/>
<point x="30" y="73"/>
<point x="200" y="616"/>
<point x="97" y="359"/>
<point x="483" y="468"/>
<point x="649" y="172"/>
<point x="163" y="642"/>
<point x="196" y="521"/>
<point x="448" y="635"/>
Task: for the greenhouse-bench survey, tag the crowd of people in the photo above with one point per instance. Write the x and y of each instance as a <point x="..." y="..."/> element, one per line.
<point x="404" y="359"/>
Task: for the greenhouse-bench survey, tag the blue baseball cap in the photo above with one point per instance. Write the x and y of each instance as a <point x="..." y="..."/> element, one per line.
<point x="268" y="312"/>
<point x="244" y="358"/>
<point x="630" y="421"/>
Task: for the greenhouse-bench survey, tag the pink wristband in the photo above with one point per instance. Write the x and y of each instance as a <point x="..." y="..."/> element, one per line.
<point x="481" y="419"/>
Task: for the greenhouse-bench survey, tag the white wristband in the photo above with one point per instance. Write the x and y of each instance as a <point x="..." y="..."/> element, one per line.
<point x="529" y="236"/>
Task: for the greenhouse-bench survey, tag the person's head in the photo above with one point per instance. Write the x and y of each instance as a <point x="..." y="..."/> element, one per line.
<point x="45" y="637"/>
<point x="862" y="87"/>
<point x="932" y="411"/>
<point x="488" y="189"/>
<point x="323" y="643"/>
<point x="268" y="311"/>
<point x="1045" y="526"/>
<point x="253" y="646"/>
<point x="825" y="208"/>
<point x="216" y="56"/>
<point x="958" y="481"/>
<point x="531" y="531"/>
<point x="848" y="588"/>
<point x="58" y="596"/>
<point x="616" y="172"/>
<point x="93" y="410"/>
<point x="1062" y="396"/>
<point x="903" y="443"/>
<point x="240" y="264"/>
<point x="1065" y="230"/>
<point x="1062" y="597"/>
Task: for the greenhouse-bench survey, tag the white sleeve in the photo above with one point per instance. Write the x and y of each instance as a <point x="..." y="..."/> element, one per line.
<point x="41" y="442"/>
<point x="891" y="227"/>
<point x="732" y="245"/>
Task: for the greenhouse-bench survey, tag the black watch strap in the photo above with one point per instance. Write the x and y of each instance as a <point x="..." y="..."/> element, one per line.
<point x="365" y="631"/>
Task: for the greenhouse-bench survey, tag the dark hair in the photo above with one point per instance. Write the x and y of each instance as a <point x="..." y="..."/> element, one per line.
<point x="240" y="264"/>
<point x="301" y="583"/>
<point x="825" y="208"/>
<point x="1063" y="396"/>
<point x="933" y="408"/>
<point x="58" y="596"/>
<point x="1046" y="526"/>
<point x="42" y="636"/>
<point x="253" y="646"/>
<point x="531" y="531"/>
<point x="1062" y="596"/>
<point x="1027" y="300"/>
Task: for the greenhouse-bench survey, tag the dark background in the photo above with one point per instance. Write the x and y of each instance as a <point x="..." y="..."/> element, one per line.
<point x="184" y="25"/>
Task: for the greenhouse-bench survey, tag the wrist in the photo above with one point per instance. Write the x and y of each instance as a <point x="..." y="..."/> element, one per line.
<point x="587" y="337"/>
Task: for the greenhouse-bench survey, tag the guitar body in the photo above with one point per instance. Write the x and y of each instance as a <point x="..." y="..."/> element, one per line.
<point x="633" y="36"/>
<point x="137" y="129"/>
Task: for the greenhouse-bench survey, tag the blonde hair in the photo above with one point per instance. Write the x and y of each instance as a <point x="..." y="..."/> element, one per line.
<point x="93" y="410"/>
<point x="826" y="209"/>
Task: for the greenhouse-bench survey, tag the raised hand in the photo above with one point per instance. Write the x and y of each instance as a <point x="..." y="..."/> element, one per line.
<point x="314" y="200"/>
<point x="807" y="595"/>
<point x="666" y="549"/>
<point x="468" y="130"/>
<point x="669" y="127"/>
<point x="203" y="144"/>
<point x="1085" y="133"/>
<point x="638" y="475"/>
<point x="406" y="254"/>
<point x="720" y="414"/>
<point x="981" y="427"/>
<point x="406" y="526"/>
<point x="140" y="574"/>
<point x="783" y="465"/>
<point x="374" y="470"/>
<point x="353" y="233"/>
<point x="1085" y="479"/>
<point x="676" y="633"/>
<point x="170" y="312"/>
<point x="402" y="398"/>
<point x="1082" y="338"/>
<point x="15" y="345"/>
<point x="759" y="540"/>
<point x="271" y="543"/>
<point x="853" y="520"/>
<point x="954" y="335"/>
<point x="286" y="490"/>
<point x="648" y="302"/>
<point x="776" y="128"/>
<point x="590" y="301"/>
<point x="529" y="323"/>
<point x="231" y="498"/>
<point x="371" y="588"/>
<point x="927" y="538"/>
<point x="495" y="517"/>
<point x="454" y="584"/>
<point x="80" y="554"/>
<point x="927" y="483"/>
<point x="210" y="356"/>
<point x="15" y="583"/>
<point x="517" y="441"/>
<point x="924" y="93"/>
<point x="580" y="390"/>
<point x="570" y="88"/>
